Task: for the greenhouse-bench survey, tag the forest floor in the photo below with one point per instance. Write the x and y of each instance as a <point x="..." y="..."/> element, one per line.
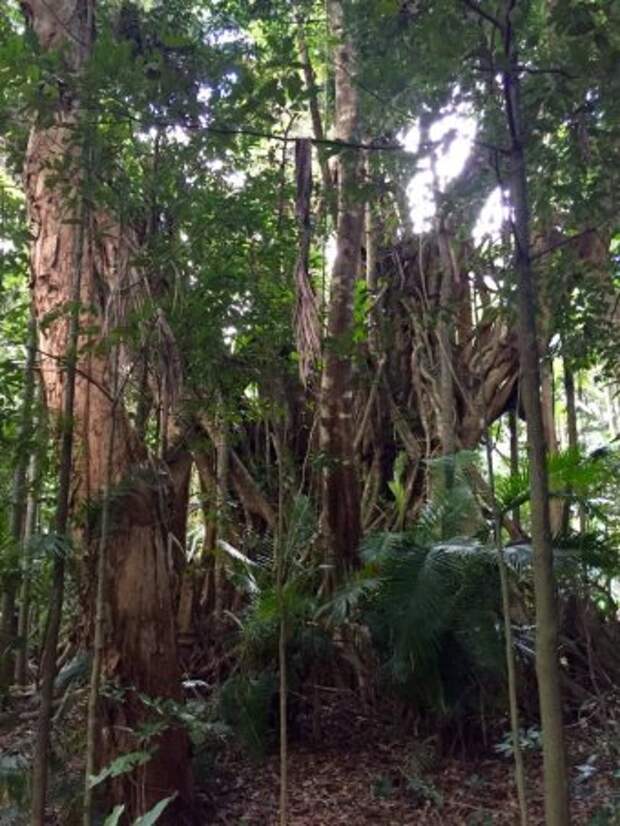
<point x="372" y="776"/>
<point x="361" y="770"/>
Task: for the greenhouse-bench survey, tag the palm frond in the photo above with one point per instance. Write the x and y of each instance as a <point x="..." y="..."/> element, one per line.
<point x="434" y="613"/>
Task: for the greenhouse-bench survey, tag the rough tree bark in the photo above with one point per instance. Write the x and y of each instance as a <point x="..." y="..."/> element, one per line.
<point x="340" y="521"/>
<point x="99" y="622"/>
<point x="61" y="521"/>
<point x="139" y="650"/>
<point x="547" y="665"/>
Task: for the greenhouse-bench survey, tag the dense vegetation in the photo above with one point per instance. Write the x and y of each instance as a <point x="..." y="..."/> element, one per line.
<point x="310" y="329"/>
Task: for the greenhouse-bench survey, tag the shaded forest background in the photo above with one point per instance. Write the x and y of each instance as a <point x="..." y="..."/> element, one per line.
<point x="309" y="411"/>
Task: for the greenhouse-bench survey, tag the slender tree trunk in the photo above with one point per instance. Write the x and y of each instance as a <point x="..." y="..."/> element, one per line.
<point x="19" y="498"/>
<point x="283" y="689"/>
<point x="612" y="423"/>
<point x="509" y="643"/>
<point x="573" y="435"/>
<point x="140" y="655"/>
<point x="547" y="398"/>
<point x="30" y="527"/>
<point x="282" y="637"/>
<point x="340" y="521"/>
<point x="283" y="696"/>
<point x="208" y="491"/>
<point x="222" y="487"/>
<point x="513" y="425"/>
<point x="571" y="408"/>
<point x="371" y="235"/>
<point x="317" y="124"/>
<point x="547" y="665"/>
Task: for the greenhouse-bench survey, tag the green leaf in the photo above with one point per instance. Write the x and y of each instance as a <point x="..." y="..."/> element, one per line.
<point x="121" y="765"/>
<point x="113" y="818"/>
<point x="154" y="814"/>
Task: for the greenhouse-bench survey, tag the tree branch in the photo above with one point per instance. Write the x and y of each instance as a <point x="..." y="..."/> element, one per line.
<point x="475" y="7"/>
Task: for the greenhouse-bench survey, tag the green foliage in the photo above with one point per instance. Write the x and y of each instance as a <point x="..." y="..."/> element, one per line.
<point x="607" y="815"/>
<point x="245" y="704"/>
<point x="362" y="303"/>
<point x="153" y="815"/>
<point x="383" y="787"/>
<point x="247" y="698"/>
<point x="572" y="475"/>
<point x="452" y="510"/>
<point x="115" y="815"/>
<point x="294" y="598"/>
<point x="434" y="618"/>
<point x="121" y="765"/>
<point x="530" y="739"/>
<point x="14" y="780"/>
<point x="588" y="558"/>
<point x="397" y="485"/>
<point x="423" y="790"/>
<point x="148" y="819"/>
<point x="181" y="99"/>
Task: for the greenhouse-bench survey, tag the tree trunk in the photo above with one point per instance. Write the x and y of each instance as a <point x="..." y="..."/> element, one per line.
<point x="445" y="335"/>
<point x="571" y="408"/>
<point x="511" y="671"/>
<point x="573" y="437"/>
<point x="139" y="650"/>
<point x="30" y="527"/>
<point x="340" y="521"/>
<point x="99" y="610"/>
<point x="221" y="508"/>
<point x="445" y="326"/>
<point x="547" y="665"/>
<point x="371" y="238"/>
<point x="19" y="496"/>
<point x="513" y="425"/>
<point x="556" y="506"/>
<point x="317" y="124"/>
<point x="73" y="264"/>
<point x="306" y="321"/>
